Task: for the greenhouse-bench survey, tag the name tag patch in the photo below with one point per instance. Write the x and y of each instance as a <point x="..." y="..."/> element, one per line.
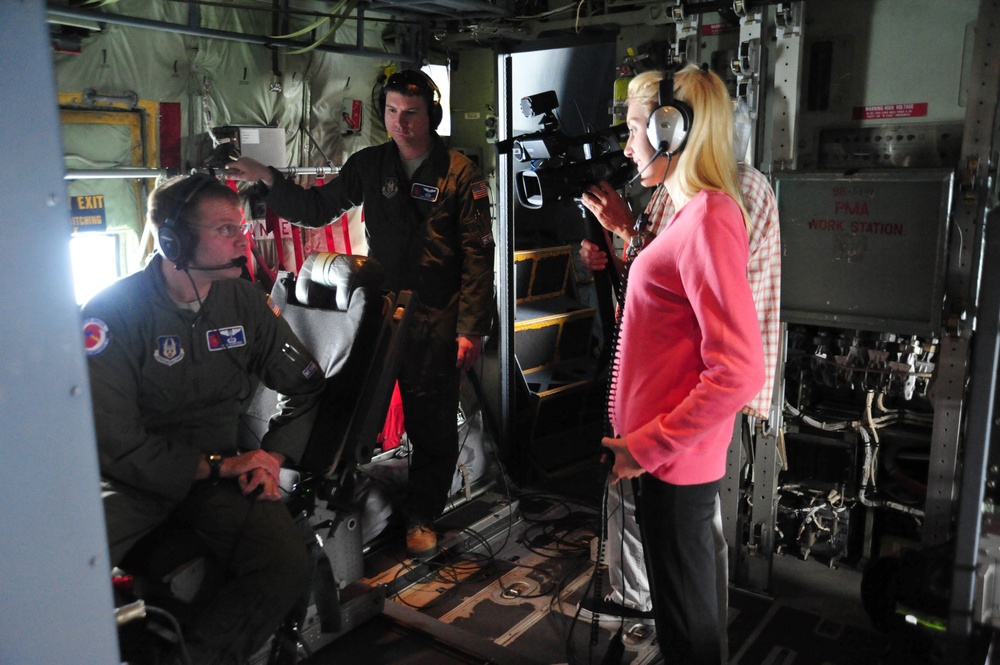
<point x="424" y="192"/>
<point x="226" y="338"/>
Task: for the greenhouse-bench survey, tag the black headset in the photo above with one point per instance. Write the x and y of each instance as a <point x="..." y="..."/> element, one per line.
<point x="669" y="124"/>
<point x="403" y="80"/>
<point x="175" y="238"/>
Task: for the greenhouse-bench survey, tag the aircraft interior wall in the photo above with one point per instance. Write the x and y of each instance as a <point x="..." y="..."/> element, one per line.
<point x="184" y="87"/>
<point x="220" y="82"/>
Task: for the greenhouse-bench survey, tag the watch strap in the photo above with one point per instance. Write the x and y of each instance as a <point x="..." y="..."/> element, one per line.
<point x="214" y="465"/>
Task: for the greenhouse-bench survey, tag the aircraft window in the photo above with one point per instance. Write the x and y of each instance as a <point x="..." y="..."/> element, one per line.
<point x="94" y="257"/>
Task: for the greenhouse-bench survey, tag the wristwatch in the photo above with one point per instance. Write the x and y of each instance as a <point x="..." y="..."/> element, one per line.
<point x="214" y="464"/>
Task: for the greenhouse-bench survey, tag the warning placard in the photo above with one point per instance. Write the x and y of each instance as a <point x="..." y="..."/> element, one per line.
<point x="712" y="29"/>
<point x="886" y="111"/>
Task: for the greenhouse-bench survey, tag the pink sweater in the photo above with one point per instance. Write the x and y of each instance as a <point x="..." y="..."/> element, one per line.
<point x="690" y="352"/>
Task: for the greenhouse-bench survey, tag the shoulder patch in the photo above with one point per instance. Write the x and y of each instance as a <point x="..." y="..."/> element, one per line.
<point x="274" y="306"/>
<point x="480" y="189"/>
<point x="95" y="336"/>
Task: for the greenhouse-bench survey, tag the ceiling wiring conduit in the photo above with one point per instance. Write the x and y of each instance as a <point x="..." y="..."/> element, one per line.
<point x="209" y="33"/>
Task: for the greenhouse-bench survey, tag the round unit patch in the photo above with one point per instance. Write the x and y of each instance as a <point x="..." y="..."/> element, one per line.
<point x="95" y="336"/>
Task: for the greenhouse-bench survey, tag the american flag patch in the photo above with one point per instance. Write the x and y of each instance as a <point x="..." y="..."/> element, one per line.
<point x="480" y="190"/>
<point x="274" y="306"/>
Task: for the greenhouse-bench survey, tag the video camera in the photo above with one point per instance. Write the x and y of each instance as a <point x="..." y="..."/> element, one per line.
<point x="563" y="166"/>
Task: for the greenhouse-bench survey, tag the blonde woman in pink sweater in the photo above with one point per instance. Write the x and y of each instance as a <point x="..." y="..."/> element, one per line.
<point x="689" y="355"/>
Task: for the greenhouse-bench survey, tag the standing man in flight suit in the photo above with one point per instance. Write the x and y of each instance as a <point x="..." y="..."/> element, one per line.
<point x="172" y="352"/>
<point x="428" y="223"/>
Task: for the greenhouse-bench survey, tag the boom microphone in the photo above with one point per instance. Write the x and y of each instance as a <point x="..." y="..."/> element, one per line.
<point x="657" y="154"/>
<point x="235" y="263"/>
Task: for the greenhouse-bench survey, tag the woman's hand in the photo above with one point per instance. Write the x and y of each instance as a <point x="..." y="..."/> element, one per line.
<point x="625" y="465"/>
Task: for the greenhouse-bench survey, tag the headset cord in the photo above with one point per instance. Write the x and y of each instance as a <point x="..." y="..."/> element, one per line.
<point x="638" y="241"/>
<point x="607" y="459"/>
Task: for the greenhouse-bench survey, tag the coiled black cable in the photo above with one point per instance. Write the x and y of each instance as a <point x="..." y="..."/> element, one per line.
<point x="607" y="459"/>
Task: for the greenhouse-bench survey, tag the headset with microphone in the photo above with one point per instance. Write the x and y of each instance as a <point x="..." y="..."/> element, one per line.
<point x="174" y="237"/>
<point x="238" y="262"/>
<point x="404" y="81"/>
<point x="669" y="125"/>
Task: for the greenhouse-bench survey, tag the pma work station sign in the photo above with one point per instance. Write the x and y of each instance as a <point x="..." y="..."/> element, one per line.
<point x="866" y="250"/>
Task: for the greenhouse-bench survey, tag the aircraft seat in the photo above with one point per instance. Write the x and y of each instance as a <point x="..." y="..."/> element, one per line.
<point x="355" y="332"/>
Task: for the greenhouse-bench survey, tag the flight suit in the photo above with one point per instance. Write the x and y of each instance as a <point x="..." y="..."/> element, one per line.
<point x="432" y="234"/>
<point x="168" y="385"/>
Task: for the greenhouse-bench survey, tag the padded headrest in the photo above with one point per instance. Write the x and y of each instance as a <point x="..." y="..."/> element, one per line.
<point x="329" y="279"/>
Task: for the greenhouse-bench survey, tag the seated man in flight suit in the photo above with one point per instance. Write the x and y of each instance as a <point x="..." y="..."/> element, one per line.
<point x="172" y="351"/>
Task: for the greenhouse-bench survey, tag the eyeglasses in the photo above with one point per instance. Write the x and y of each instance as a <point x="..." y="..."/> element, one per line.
<point x="229" y="230"/>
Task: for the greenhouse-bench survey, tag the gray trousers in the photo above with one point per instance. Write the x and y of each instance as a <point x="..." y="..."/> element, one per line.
<point x="267" y="568"/>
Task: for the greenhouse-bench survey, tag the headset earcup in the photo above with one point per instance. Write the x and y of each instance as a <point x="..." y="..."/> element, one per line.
<point x="436" y="113"/>
<point x="176" y="243"/>
<point x="668" y="127"/>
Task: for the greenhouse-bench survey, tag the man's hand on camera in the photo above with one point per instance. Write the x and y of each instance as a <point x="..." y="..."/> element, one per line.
<point x="610" y="209"/>
<point x="245" y="169"/>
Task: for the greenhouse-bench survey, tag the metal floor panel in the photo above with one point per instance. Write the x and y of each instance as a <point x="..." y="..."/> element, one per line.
<point x="490" y="596"/>
<point x="511" y="598"/>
